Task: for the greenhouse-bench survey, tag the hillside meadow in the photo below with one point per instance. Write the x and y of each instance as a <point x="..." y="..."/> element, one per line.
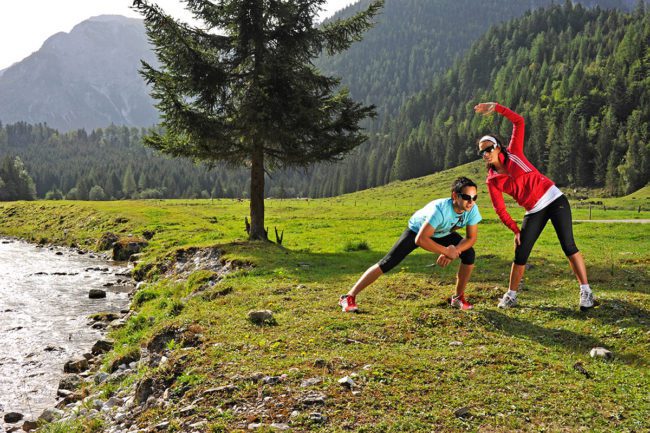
<point x="417" y="364"/>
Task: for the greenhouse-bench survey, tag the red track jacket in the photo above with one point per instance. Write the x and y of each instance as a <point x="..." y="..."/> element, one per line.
<point x="523" y="181"/>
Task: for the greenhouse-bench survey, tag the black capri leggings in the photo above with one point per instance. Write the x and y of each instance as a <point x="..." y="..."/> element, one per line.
<point x="559" y="212"/>
<point x="406" y="244"/>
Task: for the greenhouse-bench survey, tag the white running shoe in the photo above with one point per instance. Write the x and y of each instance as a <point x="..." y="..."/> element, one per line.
<point x="586" y="300"/>
<point x="507" y="301"/>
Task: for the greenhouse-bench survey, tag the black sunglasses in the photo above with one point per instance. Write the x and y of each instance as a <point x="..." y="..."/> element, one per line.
<point x="487" y="150"/>
<point x="468" y="197"/>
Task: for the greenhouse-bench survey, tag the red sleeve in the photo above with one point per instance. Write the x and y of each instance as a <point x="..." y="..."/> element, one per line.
<point x="500" y="208"/>
<point x="518" y="126"/>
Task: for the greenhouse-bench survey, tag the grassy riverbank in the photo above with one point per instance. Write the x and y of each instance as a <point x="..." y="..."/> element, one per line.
<point x="415" y="361"/>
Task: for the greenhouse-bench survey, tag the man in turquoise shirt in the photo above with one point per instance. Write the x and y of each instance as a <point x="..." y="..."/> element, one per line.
<point x="433" y="228"/>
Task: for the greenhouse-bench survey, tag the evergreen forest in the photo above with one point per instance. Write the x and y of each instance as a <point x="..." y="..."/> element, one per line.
<point x="580" y="77"/>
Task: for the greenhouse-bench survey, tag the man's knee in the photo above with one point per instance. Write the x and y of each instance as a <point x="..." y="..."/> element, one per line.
<point x="468" y="257"/>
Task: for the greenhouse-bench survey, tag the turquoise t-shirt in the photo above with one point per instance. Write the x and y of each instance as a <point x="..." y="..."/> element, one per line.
<point x="440" y="214"/>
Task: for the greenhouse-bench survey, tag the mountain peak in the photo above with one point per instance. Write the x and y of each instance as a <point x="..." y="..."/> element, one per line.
<point x="83" y="79"/>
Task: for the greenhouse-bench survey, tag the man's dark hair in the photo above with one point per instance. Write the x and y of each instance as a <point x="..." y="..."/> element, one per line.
<point x="461" y="183"/>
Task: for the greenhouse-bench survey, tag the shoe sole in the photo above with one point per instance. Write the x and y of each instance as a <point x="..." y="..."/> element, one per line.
<point x="583" y="308"/>
<point x="352" y="310"/>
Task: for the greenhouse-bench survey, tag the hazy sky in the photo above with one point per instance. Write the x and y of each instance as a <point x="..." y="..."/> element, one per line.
<point x="26" y="24"/>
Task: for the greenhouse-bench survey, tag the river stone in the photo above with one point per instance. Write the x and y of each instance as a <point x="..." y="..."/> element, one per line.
<point x="114" y="401"/>
<point x="262" y="317"/>
<point x="101" y="377"/>
<point x="70" y="382"/>
<point x="346" y="382"/>
<point x="97" y="294"/>
<point x="64" y="393"/>
<point x="125" y="248"/>
<point x="313" y="398"/>
<point x="50" y="415"/>
<point x="76" y="365"/>
<point x="200" y="425"/>
<point x="104" y="316"/>
<point x="102" y="346"/>
<point x="187" y="411"/>
<point x="13" y="417"/>
<point x="124" y="360"/>
<point x="30" y="425"/>
<point x="601" y="352"/>
<point x="317" y="417"/>
<point x="106" y="241"/>
<point x="271" y="380"/>
<point x="143" y="390"/>
<point x="311" y="382"/>
<point x="225" y="389"/>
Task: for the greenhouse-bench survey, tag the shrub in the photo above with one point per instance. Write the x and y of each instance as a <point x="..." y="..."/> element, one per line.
<point x="356" y="246"/>
<point x="143" y="296"/>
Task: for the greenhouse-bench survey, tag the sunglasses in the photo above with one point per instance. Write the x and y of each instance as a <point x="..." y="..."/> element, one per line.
<point x="487" y="150"/>
<point x="468" y="197"/>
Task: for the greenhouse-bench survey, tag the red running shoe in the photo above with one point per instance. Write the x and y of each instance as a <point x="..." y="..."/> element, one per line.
<point x="460" y="302"/>
<point x="348" y="304"/>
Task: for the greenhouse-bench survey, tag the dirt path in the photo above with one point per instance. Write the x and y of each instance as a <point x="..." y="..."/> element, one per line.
<point x="641" y="221"/>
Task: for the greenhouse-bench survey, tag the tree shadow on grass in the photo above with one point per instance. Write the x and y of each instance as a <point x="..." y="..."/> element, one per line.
<point x="551" y="337"/>
<point x="548" y="337"/>
<point x="620" y="312"/>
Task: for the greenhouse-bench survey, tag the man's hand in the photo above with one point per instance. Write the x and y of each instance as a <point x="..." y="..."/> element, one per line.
<point x="443" y="260"/>
<point x="517" y="239"/>
<point x="451" y="252"/>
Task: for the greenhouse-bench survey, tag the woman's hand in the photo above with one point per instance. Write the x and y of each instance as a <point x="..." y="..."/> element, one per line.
<point x="517" y="240"/>
<point x="485" y="108"/>
<point x="443" y="260"/>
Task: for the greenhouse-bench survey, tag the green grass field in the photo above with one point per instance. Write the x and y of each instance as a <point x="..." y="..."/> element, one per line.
<point x="513" y="370"/>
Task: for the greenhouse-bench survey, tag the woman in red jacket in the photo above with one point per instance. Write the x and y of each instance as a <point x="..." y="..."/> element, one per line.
<point x="509" y="171"/>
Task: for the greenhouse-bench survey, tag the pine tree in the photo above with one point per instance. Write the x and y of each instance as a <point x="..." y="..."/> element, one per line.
<point x="15" y="181"/>
<point x="250" y="95"/>
<point x="129" y="186"/>
<point x="96" y="193"/>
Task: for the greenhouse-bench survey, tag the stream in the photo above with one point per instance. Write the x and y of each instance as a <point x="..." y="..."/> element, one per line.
<point x="44" y="309"/>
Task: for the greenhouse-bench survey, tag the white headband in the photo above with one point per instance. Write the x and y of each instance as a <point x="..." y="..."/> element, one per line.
<point x="490" y="139"/>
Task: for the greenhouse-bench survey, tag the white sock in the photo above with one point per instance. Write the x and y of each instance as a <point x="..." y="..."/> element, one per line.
<point x="585" y="287"/>
<point x="512" y="294"/>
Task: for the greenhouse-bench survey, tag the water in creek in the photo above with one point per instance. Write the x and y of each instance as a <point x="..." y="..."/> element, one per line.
<point x="44" y="308"/>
